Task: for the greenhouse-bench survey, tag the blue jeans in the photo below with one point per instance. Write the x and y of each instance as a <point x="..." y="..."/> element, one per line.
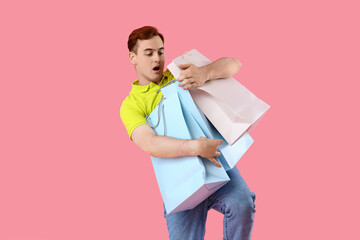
<point x="234" y="200"/>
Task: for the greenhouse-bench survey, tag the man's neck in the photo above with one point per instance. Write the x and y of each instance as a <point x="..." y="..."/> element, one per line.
<point x="143" y="82"/>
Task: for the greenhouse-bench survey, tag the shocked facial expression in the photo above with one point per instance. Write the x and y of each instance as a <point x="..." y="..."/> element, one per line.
<point x="149" y="60"/>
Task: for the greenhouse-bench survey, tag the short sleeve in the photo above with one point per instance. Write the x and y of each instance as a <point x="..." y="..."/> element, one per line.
<point x="131" y="116"/>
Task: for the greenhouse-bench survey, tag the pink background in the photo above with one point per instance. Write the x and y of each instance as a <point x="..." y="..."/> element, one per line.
<point x="68" y="169"/>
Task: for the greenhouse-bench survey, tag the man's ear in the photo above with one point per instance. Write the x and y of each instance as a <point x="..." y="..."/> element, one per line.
<point x="132" y="57"/>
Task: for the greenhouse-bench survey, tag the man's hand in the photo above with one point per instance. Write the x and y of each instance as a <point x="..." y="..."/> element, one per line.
<point x="168" y="147"/>
<point x="192" y="75"/>
<point x="207" y="148"/>
<point x="195" y="76"/>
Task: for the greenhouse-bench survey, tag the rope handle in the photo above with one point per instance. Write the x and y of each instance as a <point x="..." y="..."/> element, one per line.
<point x="160" y="109"/>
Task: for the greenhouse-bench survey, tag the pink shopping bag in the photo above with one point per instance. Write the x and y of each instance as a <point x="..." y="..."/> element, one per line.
<point x="228" y="105"/>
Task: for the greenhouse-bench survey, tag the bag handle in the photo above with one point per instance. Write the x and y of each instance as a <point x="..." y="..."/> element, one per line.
<point x="160" y="109"/>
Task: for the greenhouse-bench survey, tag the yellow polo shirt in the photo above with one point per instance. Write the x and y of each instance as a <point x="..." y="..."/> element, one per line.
<point x="141" y="101"/>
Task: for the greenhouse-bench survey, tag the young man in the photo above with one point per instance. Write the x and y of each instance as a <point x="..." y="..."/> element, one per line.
<point x="234" y="200"/>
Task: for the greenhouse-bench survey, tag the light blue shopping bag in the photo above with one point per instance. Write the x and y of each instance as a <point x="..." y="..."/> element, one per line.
<point x="184" y="182"/>
<point x="230" y="154"/>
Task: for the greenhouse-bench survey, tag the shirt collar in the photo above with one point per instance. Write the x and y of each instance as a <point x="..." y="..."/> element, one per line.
<point x="145" y="88"/>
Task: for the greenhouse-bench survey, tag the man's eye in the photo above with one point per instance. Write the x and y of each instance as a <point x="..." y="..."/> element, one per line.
<point x="149" y="54"/>
<point x="161" y="53"/>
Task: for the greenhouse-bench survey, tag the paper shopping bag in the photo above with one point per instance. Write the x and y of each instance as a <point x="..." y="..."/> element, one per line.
<point x="230" y="107"/>
<point x="184" y="182"/>
<point x="230" y="154"/>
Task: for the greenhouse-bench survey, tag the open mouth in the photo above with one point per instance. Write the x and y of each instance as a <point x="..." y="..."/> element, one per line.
<point x="156" y="69"/>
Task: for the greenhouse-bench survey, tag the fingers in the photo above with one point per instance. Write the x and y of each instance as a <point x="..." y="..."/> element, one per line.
<point x="189" y="86"/>
<point x="185" y="81"/>
<point x="184" y="66"/>
<point x="211" y="152"/>
<point x="219" y="142"/>
<point x="215" y="162"/>
<point x="186" y="52"/>
<point x="183" y="75"/>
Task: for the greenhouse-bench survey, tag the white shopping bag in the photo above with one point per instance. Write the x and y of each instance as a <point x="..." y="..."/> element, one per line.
<point x="230" y="107"/>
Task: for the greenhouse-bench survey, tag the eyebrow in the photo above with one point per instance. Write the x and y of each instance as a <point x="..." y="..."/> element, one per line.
<point x="148" y="49"/>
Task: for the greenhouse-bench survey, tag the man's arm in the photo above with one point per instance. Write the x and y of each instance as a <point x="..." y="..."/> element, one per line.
<point x="196" y="76"/>
<point x="168" y="147"/>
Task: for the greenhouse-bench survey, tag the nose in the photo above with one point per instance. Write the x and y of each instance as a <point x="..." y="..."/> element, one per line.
<point x="156" y="57"/>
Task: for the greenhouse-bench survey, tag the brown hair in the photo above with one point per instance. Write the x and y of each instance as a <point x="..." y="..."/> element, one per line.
<point x="142" y="33"/>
